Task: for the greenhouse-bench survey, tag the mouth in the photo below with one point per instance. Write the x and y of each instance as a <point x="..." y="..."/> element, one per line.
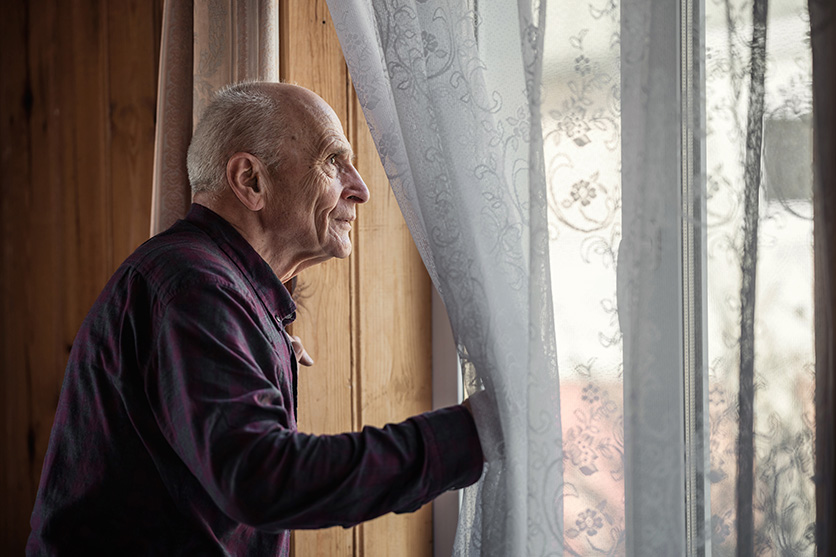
<point x="344" y="223"/>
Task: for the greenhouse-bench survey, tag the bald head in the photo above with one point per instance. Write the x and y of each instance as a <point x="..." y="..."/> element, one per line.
<point x="274" y="162"/>
<point x="254" y="117"/>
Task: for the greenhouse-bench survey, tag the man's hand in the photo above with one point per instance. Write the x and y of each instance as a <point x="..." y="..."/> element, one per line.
<point x="301" y="354"/>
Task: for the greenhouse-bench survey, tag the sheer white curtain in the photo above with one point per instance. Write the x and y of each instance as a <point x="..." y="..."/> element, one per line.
<point x="461" y="143"/>
<point x="621" y="190"/>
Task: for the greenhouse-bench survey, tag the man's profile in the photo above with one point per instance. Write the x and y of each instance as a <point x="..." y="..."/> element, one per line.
<point x="175" y="432"/>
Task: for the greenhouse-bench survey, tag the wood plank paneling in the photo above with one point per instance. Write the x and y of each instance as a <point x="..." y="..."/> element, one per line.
<point x="15" y="176"/>
<point x="131" y="72"/>
<point x="79" y="87"/>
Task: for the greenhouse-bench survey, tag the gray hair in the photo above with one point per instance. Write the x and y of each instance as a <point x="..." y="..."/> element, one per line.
<point x="245" y="117"/>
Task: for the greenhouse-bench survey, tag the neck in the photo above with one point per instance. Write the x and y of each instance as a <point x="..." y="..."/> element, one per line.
<point x="270" y="246"/>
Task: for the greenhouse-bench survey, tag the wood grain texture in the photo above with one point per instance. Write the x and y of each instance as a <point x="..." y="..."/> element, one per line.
<point x="78" y="95"/>
<point x="15" y="173"/>
<point x="131" y="71"/>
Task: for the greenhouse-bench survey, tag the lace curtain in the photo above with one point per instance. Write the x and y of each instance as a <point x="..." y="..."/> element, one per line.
<point x="620" y="190"/>
<point x="461" y="143"/>
<point x="205" y="45"/>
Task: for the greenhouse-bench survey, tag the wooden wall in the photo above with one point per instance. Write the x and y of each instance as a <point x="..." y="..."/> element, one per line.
<point x="77" y="106"/>
<point x="77" y="110"/>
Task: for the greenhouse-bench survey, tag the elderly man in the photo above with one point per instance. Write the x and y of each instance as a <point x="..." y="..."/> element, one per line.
<point x="175" y="432"/>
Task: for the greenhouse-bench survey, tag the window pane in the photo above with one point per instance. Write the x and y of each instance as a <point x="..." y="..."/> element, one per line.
<point x="582" y="129"/>
<point x="784" y="507"/>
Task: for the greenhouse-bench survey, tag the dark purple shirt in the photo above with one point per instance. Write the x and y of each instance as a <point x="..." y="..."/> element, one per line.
<point x="175" y="432"/>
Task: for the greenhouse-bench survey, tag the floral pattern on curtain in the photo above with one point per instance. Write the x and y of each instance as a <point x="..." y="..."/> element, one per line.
<point x="677" y="172"/>
<point x="461" y="143"/>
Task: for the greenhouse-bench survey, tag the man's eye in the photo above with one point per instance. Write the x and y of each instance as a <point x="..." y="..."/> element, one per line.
<point x="332" y="159"/>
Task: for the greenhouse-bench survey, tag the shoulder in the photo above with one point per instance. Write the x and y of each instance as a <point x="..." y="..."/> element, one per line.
<point x="182" y="257"/>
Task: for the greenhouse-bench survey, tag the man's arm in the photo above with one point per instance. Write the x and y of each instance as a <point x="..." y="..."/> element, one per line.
<point x="211" y="391"/>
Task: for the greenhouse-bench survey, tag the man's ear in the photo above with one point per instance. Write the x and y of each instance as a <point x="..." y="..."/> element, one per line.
<point x="243" y="173"/>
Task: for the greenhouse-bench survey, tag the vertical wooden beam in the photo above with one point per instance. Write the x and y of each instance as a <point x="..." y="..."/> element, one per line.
<point x="393" y="328"/>
<point x="16" y="103"/>
<point x="823" y="41"/>
<point x="310" y="56"/>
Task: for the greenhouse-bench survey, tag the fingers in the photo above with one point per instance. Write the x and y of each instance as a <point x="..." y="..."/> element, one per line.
<point x="302" y="355"/>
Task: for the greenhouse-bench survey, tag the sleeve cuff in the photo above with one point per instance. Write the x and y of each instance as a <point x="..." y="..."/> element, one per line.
<point x="454" y="449"/>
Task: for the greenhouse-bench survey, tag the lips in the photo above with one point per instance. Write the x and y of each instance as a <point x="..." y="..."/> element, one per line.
<point x="345" y="224"/>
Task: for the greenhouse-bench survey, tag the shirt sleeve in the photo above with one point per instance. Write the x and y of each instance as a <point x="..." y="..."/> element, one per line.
<point x="210" y="392"/>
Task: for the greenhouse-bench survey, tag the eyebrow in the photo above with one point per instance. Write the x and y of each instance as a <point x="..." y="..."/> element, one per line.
<point x="337" y="146"/>
<point x="346" y="152"/>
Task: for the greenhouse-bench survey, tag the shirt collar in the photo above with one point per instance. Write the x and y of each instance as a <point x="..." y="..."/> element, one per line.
<point x="268" y="286"/>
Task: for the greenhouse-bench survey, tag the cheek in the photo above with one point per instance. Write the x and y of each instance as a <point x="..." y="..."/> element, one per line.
<point x="328" y="197"/>
<point x="311" y="193"/>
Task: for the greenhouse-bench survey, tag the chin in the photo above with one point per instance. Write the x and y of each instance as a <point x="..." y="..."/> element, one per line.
<point x="340" y="249"/>
<point x="338" y="252"/>
<point x="343" y="252"/>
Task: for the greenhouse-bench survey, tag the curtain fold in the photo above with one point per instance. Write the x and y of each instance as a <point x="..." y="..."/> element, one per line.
<point x="460" y="142"/>
<point x="170" y="190"/>
<point x="206" y="44"/>
<point x="649" y="277"/>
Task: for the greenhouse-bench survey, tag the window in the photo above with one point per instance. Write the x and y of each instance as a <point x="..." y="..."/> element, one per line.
<point x="647" y="175"/>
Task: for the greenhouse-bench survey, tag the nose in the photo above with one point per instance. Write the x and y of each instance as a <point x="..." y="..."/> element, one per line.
<point x="356" y="189"/>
